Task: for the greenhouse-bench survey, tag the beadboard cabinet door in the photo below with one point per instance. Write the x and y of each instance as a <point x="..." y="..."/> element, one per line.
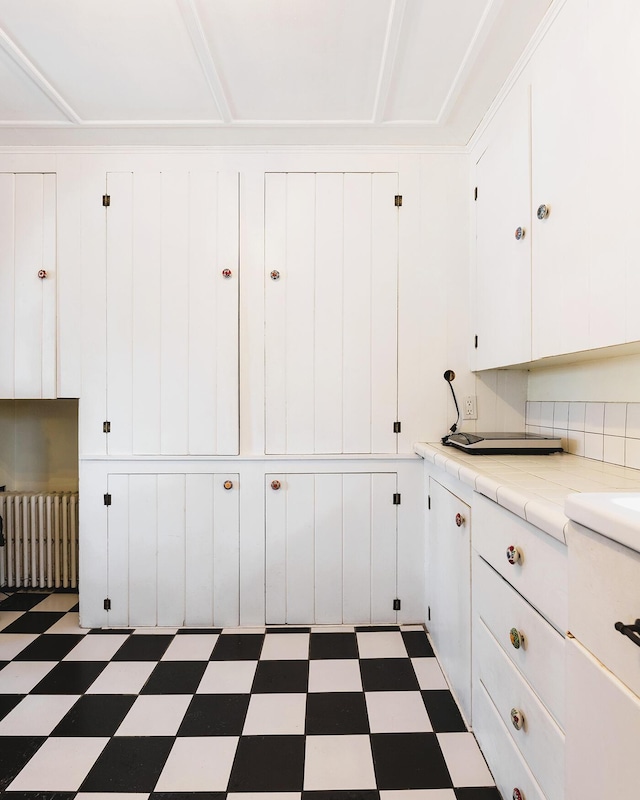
<point x="331" y="548"/>
<point x="173" y="546"/>
<point x="331" y="305"/>
<point x="172" y="313"/>
<point x="28" y="321"/>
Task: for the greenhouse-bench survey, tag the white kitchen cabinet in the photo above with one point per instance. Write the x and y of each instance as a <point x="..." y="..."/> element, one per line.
<point x="502" y="301"/>
<point x="449" y="588"/>
<point x="173" y="550"/>
<point x="331" y="548"/>
<point x="172" y="313"/>
<point x="331" y="305"/>
<point x="28" y="276"/>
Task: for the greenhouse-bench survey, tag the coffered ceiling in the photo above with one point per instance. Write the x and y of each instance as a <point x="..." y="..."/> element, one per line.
<point x="389" y="72"/>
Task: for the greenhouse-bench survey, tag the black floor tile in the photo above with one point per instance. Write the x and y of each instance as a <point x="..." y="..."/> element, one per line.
<point x="38" y="795"/>
<point x="443" y="712"/>
<point x="187" y="795"/>
<point x="175" y="677"/>
<point x="8" y="702"/>
<point x="129" y="764"/>
<point x="199" y="630"/>
<point x="388" y="675"/>
<point x="143" y="647"/>
<point x="268" y="764"/>
<point x="333" y="645"/>
<point x="336" y="713"/>
<point x="34" y="622"/>
<point x="478" y="793"/>
<point x="409" y="761"/>
<point x="345" y="794"/>
<point x="15" y="752"/>
<point x="281" y="676"/>
<point x="50" y="647"/>
<point x="238" y="647"/>
<point x="376" y="628"/>
<point x="3" y="664"/>
<point x="22" y="601"/>
<point x="289" y="629"/>
<point x="75" y="608"/>
<point x="215" y="715"/>
<point x="417" y="644"/>
<point x="70" y="677"/>
<point x="95" y="715"/>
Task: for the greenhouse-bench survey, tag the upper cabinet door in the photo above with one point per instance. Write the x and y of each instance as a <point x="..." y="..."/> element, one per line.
<point x="27" y="286"/>
<point x="502" y="302"/>
<point x="172" y="313"/>
<point x="331" y="289"/>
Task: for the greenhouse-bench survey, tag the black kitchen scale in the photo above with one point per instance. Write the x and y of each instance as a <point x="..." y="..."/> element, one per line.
<point x="504" y="443"/>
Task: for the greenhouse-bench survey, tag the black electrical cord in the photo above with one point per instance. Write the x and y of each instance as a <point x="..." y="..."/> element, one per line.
<point x="449" y="376"/>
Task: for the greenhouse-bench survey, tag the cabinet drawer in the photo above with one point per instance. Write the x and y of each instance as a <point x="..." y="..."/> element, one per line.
<point x="541" y="573"/>
<point x="540" y="740"/>
<point x="541" y="657"/>
<point x="605" y="577"/>
<point x="503" y="757"/>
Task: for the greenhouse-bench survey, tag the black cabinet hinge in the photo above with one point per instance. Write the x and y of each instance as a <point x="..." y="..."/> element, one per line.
<point x="106" y="200"/>
<point x="428" y="613"/>
<point x="398" y="200"/>
<point x="106" y="426"/>
<point x="396" y="604"/>
<point x="107" y="604"/>
<point x="475" y="193"/>
<point x="429" y="502"/>
<point x="396" y="498"/>
<point x="397" y="427"/>
<point x="476" y="341"/>
<point x="107" y="499"/>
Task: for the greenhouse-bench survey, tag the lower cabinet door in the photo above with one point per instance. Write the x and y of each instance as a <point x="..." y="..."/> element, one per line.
<point x="603" y="730"/>
<point x="449" y="589"/>
<point x="173" y="550"/>
<point x="331" y="544"/>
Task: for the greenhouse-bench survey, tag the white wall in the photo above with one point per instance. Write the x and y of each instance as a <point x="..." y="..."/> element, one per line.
<point x="607" y="380"/>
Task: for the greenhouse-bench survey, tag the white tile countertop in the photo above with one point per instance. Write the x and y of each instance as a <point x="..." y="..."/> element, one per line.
<point x="613" y="515"/>
<point x="533" y="487"/>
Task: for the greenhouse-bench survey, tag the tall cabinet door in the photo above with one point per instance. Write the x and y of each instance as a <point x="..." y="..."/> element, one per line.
<point x="331" y="545"/>
<point x="331" y="289"/>
<point x="27" y="286"/>
<point x="173" y="547"/>
<point x="172" y="313"/>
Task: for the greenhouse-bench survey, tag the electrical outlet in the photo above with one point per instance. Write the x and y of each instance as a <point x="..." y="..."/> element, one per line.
<point x="469" y="407"/>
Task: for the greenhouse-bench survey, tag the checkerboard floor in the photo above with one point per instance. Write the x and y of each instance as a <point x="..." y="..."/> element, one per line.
<point x="358" y="713"/>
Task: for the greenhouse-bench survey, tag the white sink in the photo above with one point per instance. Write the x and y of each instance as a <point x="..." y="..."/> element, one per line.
<point x="615" y="515"/>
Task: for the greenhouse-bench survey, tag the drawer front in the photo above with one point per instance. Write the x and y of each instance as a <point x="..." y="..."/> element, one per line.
<point x="503" y="757"/>
<point x="540" y="657"/>
<point x="540" y="740"/>
<point x="540" y="575"/>
<point x="604" y="577"/>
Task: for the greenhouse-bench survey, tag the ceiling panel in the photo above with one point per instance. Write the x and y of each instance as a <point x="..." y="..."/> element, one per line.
<point x="115" y="60"/>
<point x="290" y="60"/>
<point x="20" y="98"/>
<point x="435" y="37"/>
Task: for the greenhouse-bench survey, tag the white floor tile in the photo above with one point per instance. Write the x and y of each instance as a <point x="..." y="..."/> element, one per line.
<point x="198" y="764"/>
<point x="57" y="602"/>
<point x="97" y="648"/>
<point x="429" y="673"/>
<point x="227" y="677"/>
<point x="263" y="795"/>
<point x="465" y="762"/>
<point x="37" y="714"/>
<point x="7" y="617"/>
<point x="191" y="647"/>
<point x="13" y="643"/>
<point x="413" y="794"/>
<point x="381" y="644"/>
<point x="156" y="631"/>
<point x="255" y="629"/>
<point x="122" y="677"/>
<point x="413" y="628"/>
<point x="397" y="712"/>
<point x="60" y="765"/>
<point x="272" y="714"/>
<point x="338" y="762"/>
<point x="155" y="715"/>
<point x="339" y="675"/>
<point x="285" y="646"/>
<point x="70" y="623"/>
<point x="20" y="677"/>
<point x="332" y="629"/>
<point x="111" y="796"/>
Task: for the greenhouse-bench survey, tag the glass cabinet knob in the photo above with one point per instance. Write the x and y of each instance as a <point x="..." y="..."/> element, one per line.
<point x="459" y="520"/>
<point x="42" y="274"/>
<point x="226" y="273"/>
<point x="517" y="638"/>
<point x="275" y="485"/>
<point x="519" y="234"/>
<point x="275" y="275"/>
<point x="543" y="211"/>
<point x="517" y="719"/>
<point x="517" y="795"/>
<point x="514" y="554"/>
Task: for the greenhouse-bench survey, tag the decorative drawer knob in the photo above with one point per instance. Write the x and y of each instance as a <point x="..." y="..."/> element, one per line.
<point x="275" y="485"/>
<point x="518" y="795"/>
<point x="514" y="554"/>
<point x="42" y="274"/>
<point x="275" y="275"/>
<point x="543" y="211"/>
<point x="517" y="719"/>
<point x="519" y="233"/>
<point x="228" y="484"/>
<point x="226" y="273"/>
<point x="517" y="638"/>
<point x="459" y="520"/>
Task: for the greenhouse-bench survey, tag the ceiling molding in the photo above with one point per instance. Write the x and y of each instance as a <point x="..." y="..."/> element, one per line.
<point x="389" y="55"/>
<point x="194" y="28"/>
<point x="21" y="60"/>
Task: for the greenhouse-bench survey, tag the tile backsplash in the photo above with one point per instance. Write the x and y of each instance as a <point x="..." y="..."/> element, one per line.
<point x="603" y="431"/>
